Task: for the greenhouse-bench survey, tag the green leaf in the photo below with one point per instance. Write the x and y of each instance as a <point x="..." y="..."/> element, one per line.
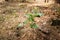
<point x="20" y="25"/>
<point x="38" y="14"/>
<point x="25" y="22"/>
<point x="30" y="17"/>
<point x="33" y="25"/>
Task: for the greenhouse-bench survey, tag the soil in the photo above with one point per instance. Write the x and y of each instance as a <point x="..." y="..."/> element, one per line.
<point x="11" y="14"/>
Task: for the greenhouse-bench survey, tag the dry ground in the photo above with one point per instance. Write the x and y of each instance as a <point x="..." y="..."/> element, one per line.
<point x="12" y="14"/>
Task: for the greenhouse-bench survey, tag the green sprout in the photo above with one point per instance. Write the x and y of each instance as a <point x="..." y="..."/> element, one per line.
<point x="30" y="19"/>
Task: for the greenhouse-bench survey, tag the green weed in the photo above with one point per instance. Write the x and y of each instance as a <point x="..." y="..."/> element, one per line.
<point x="30" y="19"/>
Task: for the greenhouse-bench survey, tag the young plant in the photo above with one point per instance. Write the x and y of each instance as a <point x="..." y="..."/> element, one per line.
<point x="30" y="20"/>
